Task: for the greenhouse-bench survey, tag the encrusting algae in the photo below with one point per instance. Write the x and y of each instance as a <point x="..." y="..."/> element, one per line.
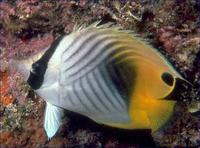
<point x="6" y="97"/>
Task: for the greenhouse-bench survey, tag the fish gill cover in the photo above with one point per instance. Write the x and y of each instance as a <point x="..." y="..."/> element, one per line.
<point x="26" y="27"/>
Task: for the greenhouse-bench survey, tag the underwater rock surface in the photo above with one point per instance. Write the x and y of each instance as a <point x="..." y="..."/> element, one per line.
<point x="173" y="27"/>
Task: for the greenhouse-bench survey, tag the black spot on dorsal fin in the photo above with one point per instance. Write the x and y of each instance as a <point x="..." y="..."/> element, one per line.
<point x="167" y="78"/>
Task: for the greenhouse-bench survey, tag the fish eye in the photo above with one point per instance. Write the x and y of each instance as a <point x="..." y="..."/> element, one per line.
<point x="167" y="78"/>
<point x="37" y="69"/>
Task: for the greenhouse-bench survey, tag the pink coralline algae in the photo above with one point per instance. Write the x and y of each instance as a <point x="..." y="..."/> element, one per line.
<point x="29" y="26"/>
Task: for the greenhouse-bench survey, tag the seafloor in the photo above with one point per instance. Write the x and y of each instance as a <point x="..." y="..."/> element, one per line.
<point x="27" y="26"/>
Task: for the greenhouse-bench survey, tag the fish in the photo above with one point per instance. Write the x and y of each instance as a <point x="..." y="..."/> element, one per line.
<point x="105" y="73"/>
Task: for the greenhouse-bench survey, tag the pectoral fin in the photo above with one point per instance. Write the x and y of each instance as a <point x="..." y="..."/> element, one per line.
<point x="52" y="120"/>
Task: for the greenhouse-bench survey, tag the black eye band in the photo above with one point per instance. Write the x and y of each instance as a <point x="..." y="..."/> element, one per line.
<point x="168" y="78"/>
<point x="38" y="68"/>
<point x="35" y="81"/>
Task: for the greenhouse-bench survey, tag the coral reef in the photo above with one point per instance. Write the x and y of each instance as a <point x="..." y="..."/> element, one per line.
<point x="29" y="26"/>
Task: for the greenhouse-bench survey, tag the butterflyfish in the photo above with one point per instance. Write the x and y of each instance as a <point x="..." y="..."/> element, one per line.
<point x="104" y="73"/>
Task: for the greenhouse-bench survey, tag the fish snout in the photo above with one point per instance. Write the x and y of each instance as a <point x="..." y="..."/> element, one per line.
<point x="20" y="66"/>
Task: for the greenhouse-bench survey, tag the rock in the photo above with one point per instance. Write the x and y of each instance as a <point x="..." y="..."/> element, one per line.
<point x="57" y="142"/>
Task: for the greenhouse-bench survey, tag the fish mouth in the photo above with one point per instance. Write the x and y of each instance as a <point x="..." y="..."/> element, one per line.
<point x="20" y="66"/>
